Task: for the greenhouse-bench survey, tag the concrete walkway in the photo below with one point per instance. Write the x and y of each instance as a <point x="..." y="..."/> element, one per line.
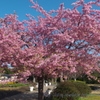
<point x="28" y="96"/>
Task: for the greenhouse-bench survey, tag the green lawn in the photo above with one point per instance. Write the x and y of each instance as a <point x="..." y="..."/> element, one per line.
<point x="14" y="85"/>
<point x="91" y="97"/>
<point x="25" y="87"/>
<point x="95" y="95"/>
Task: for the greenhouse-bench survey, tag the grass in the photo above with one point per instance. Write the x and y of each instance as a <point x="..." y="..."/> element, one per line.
<point x="91" y="97"/>
<point x="14" y="85"/>
<point x="95" y="95"/>
<point x="13" y="89"/>
<point x="22" y="88"/>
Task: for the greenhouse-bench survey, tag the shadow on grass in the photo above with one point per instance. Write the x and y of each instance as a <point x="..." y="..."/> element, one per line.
<point x="8" y="93"/>
<point x="94" y="87"/>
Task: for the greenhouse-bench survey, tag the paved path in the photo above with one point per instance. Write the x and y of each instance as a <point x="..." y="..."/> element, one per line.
<point x="28" y="96"/>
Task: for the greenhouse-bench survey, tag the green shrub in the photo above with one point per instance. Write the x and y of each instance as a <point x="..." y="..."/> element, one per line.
<point x="82" y="87"/>
<point x="65" y="91"/>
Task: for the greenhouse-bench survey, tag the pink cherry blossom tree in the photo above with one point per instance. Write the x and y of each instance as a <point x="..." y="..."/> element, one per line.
<point x="8" y="37"/>
<point x="67" y="42"/>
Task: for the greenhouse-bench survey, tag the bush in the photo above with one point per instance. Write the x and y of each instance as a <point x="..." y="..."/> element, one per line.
<point x="82" y="87"/>
<point x="65" y="91"/>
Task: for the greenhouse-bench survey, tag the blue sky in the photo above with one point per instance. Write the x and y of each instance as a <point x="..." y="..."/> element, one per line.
<point x="22" y="7"/>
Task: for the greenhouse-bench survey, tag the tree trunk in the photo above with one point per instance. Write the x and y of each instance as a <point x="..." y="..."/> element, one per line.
<point x="40" y="88"/>
<point x="61" y="78"/>
<point x="74" y="79"/>
<point x="34" y="79"/>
